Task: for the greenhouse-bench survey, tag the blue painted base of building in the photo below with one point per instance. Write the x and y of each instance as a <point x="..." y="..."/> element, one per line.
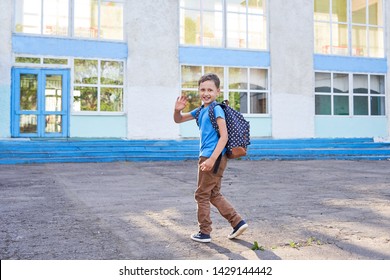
<point x="108" y="150"/>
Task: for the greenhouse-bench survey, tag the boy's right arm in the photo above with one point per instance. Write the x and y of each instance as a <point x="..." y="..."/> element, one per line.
<point x="178" y="116"/>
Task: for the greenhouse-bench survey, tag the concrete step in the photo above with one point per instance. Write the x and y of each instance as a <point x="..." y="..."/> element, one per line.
<point x="108" y="150"/>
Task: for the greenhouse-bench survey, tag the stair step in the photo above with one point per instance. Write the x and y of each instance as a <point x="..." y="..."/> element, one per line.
<point x="108" y="150"/>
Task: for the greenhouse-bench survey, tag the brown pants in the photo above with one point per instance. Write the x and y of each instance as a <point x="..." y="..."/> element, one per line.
<point x="208" y="191"/>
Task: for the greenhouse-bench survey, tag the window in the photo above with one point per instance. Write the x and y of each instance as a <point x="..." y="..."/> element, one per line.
<point x="349" y="94"/>
<point x="224" y="23"/>
<point x="42" y="61"/>
<point x="98" y="19"/>
<point x="349" y="27"/>
<point x="98" y="85"/>
<point x="246" y="88"/>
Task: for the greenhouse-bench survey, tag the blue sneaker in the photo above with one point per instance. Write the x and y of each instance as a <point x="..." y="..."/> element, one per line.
<point x="201" y="237"/>
<point x="238" y="229"/>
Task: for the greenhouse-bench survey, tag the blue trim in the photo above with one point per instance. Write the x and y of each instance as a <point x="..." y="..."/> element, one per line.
<point x="68" y="47"/>
<point x="225" y="57"/>
<point x="109" y="150"/>
<point x="350" y="64"/>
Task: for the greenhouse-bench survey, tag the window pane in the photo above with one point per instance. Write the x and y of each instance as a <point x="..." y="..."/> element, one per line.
<point x="53" y="124"/>
<point x="236" y="6"/>
<point x="339" y="10"/>
<point x="55" y="61"/>
<point x="323" y="82"/>
<point x="321" y="10"/>
<point x="216" y="5"/>
<point x="111" y="20"/>
<point x="377" y="84"/>
<point x="360" y="105"/>
<point x="28" y="16"/>
<point x="212" y="29"/>
<point x="190" y="4"/>
<point x="239" y="101"/>
<point x="86" y="18"/>
<point x="340" y="39"/>
<point x="190" y="76"/>
<point x="377" y="106"/>
<point x="376" y="42"/>
<point x="359" y="40"/>
<point x="85" y="71"/>
<point x="190" y="27"/>
<point x="55" y="17"/>
<point x="256" y="6"/>
<point x="360" y="83"/>
<point x="28" y="92"/>
<point x="258" y="79"/>
<point x="111" y="99"/>
<point x="238" y="78"/>
<point x="236" y="30"/>
<point x="28" y="124"/>
<point x="193" y="100"/>
<point x="258" y="103"/>
<point x="341" y="105"/>
<point x="322" y="38"/>
<point x="111" y="73"/>
<point x="218" y="71"/>
<point x="53" y="93"/>
<point x="340" y="83"/>
<point x="323" y="105"/>
<point x="375" y="12"/>
<point x="359" y="11"/>
<point x="21" y="59"/>
<point x="85" y="99"/>
<point x="256" y="32"/>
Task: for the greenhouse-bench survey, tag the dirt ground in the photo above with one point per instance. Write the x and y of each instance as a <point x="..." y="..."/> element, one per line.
<point x="296" y="210"/>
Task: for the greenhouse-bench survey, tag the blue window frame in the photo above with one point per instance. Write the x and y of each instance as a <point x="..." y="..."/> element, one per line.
<point x="40" y="103"/>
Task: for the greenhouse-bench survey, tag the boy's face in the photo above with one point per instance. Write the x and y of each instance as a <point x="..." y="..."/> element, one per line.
<point x="208" y="92"/>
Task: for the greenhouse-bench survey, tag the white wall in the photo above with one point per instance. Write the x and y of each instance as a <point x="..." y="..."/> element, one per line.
<point x="292" y="77"/>
<point x="152" y="68"/>
<point x="6" y="8"/>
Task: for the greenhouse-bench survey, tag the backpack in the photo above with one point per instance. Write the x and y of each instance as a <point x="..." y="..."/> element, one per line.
<point x="237" y="128"/>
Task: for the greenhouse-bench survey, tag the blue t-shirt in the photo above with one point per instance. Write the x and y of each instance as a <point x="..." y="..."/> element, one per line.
<point x="208" y="136"/>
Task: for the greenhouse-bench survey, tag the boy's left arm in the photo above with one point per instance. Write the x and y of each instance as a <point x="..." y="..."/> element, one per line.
<point x="208" y="164"/>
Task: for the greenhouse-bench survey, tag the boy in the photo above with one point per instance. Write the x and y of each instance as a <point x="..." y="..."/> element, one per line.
<point x="212" y="146"/>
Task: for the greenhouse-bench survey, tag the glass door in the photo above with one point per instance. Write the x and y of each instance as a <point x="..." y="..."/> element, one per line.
<point x="40" y="103"/>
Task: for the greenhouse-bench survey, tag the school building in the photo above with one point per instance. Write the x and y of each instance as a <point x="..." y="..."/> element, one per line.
<point x="113" y="69"/>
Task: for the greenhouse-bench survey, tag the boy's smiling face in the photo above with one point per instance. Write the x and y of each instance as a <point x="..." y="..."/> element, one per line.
<point x="208" y="92"/>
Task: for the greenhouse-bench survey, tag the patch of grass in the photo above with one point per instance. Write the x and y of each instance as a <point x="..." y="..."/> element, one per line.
<point x="257" y="247"/>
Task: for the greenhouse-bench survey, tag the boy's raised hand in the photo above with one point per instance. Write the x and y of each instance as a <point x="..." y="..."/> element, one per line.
<point x="181" y="103"/>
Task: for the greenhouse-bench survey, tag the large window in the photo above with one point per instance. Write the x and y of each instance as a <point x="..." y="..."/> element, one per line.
<point x="97" y="19"/>
<point x="247" y="89"/>
<point x="224" y="23"/>
<point x="349" y="94"/>
<point x="349" y="27"/>
<point x="98" y="85"/>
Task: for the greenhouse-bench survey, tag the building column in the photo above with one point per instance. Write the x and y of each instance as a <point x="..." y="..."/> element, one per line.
<point x="292" y="75"/>
<point x="152" y="76"/>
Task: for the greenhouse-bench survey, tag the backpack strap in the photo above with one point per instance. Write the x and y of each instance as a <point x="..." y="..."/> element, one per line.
<point x="212" y="116"/>
<point x="197" y="114"/>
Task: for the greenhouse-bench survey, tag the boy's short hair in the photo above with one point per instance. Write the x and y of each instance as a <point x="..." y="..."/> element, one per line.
<point x="210" y="77"/>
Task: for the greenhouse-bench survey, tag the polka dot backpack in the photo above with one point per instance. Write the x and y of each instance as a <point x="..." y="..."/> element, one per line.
<point x="237" y="127"/>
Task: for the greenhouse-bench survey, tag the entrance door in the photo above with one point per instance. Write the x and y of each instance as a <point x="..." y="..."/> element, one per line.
<point x="40" y="103"/>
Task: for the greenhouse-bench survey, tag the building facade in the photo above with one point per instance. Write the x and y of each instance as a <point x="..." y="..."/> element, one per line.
<point x="113" y="69"/>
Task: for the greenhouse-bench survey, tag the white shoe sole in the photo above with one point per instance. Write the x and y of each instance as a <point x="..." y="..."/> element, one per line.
<point x="201" y="240"/>
<point x="238" y="232"/>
